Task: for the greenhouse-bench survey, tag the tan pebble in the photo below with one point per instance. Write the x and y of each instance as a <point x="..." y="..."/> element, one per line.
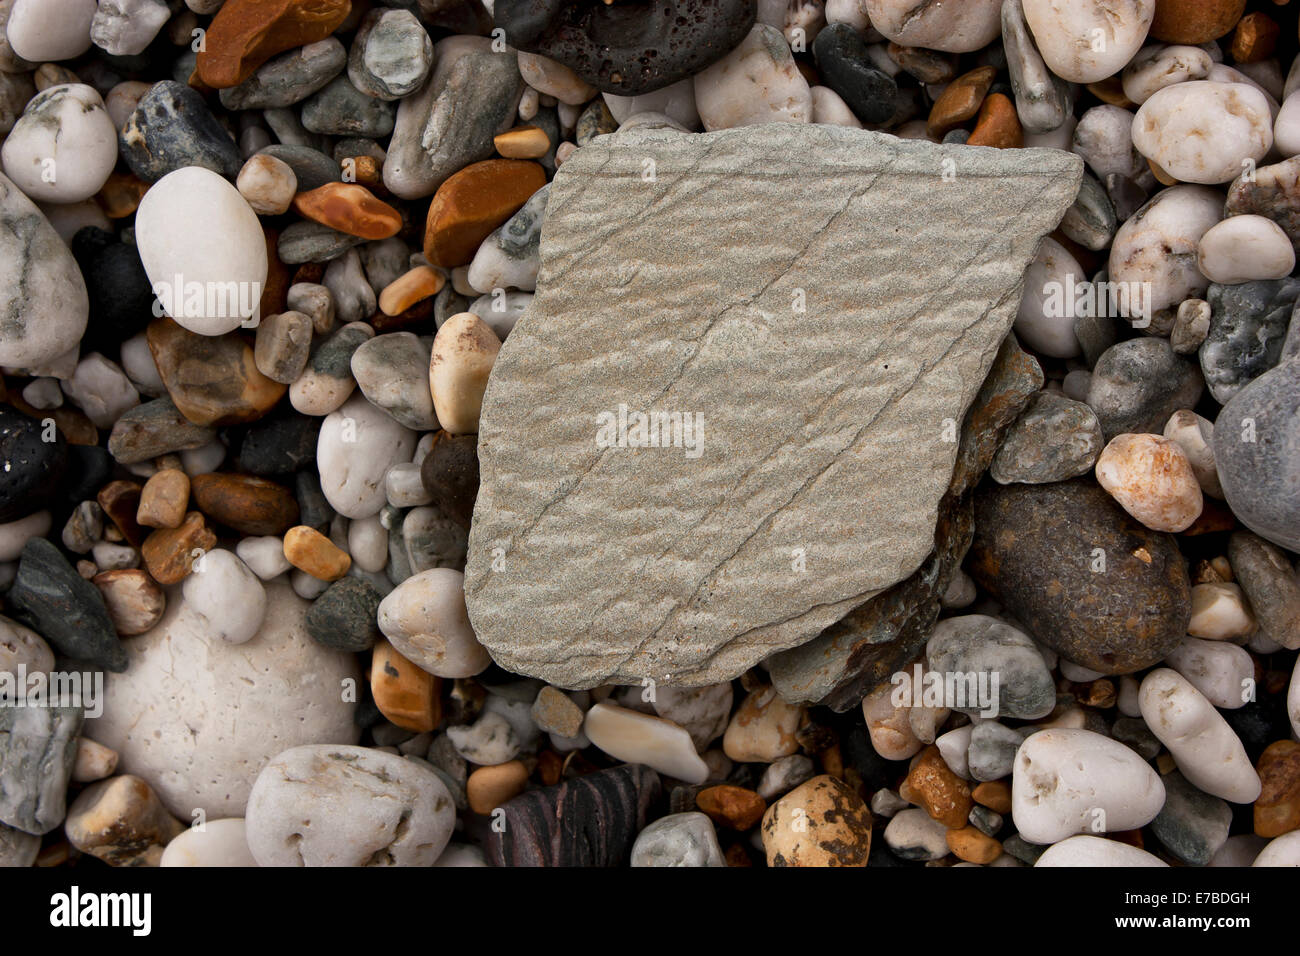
<point x="763" y="728"/>
<point x="310" y="551"/>
<point x="523" y="142"/>
<point x="937" y="790"/>
<point x="464" y="351"/>
<point x="134" y="600"/>
<point x="888" y="725"/>
<point x="282" y="346"/>
<point x="1277" y="811"/>
<point x="1220" y="612"/>
<point x="94" y="761"/>
<point x="973" y="846"/>
<point x="163" y="500"/>
<point x="994" y="794"/>
<point x="1151" y="478"/>
<point x="1255" y="38"/>
<point x="405" y="694"/>
<point x="414" y="286"/>
<point x="122" y="822"/>
<point x="489" y="787"/>
<point x="823" y="822"/>
<point x="555" y="712"/>
<point x="267" y="184"/>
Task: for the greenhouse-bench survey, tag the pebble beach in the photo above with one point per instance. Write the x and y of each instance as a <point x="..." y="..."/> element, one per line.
<point x="649" y="433"/>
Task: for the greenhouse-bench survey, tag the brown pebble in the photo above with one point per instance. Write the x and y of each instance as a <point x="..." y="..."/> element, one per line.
<point x="1111" y="92"/>
<point x="960" y="101"/>
<point x="927" y="66"/>
<point x="998" y="125"/>
<point x="246" y="503"/>
<point x="349" y="208"/>
<point x="311" y="552"/>
<point x="994" y="794"/>
<point x="1277" y="811"/>
<point x="489" y="787"/>
<point x="120" y="500"/>
<point x="937" y="790"/>
<point x="555" y="712"/>
<point x="120" y="196"/>
<point x="244" y="34"/>
<point x="1160" y="175"/>
<point x="472" y="203"/>
<point x="405" y="694"/>
<point x="737" y="855"/>
<point x="164" y="499"/>
<point x="135" y="601"/>
<point x="1194" y="21"/>
<point x="170" y="553"/>
<point x="1255" y="38"/>
<point x="734" y="807"/>
<point x="550" y="768"/>
<point x="122" y="822"/>
<point x="973" y="846"/>
<point x="213" y="379"/>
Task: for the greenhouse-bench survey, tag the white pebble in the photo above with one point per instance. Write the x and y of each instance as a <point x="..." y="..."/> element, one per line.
<point x="639" y="738"/>
<point x="358" y="443"/>
<point x="1153" y="481"/>
<point x="1090" y="851"/>
<point x="218" y="843"/>
<point x="63" y="147"/>
<point x="1045" y="320"/>
<point x="227" y="597"/>
<point x="1194" y="434"/>
<point x="1220" y="612"/>
<point x="1245" y="248"/>
<point x="50" y="30"/>
<point x="757" y="82"/>
<point x="264" y="556"/>
<point x="1204" y="132"/>
<point x="425" y="619"/>
<point x="1156" y="67"/>
<point x="1281" y="851"/>
<point x="1223" y="672"/>
<point x="1084" y="41"/>
<point x="1206" y="749"/>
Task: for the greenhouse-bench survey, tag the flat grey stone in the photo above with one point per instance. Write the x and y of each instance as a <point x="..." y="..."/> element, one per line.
<point x="828" y="434"/>
<point x="38" y="746"/>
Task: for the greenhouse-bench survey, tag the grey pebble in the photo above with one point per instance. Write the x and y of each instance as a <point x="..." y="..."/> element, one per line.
<point x="1055" y="438"/>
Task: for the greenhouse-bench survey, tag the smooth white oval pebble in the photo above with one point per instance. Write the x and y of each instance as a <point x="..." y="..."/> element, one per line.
<point x="640" y="738"/>
<point x="1206" y="749"/>
<point x="1156" y="67"/>
<point x="1045" y="320"/>
<point x="1077" y="781"/>
<point x="226" y="596"/>
<point x="1281" y="851"/>
<point x="63" y="147"/>
<point x="1204" y="132"/>
<point x="225" y="261"/>
<point x="218" y="843"/>
<point x="358" y="443"/>
<point x="1088" y="851"/>
<point x="425" y="619"/>
<point x="1084" y="41"/>
<point x="1245" y="248"/>
<point x="264" y="556"/>
<point x="1223" y="672"/>
<point x="50" y="30"/>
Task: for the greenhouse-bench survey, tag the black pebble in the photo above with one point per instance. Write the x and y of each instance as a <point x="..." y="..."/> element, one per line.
<point x="344" y="617"/>
<point x="845" y="67"/>
<point x="450" y="475"/>
<point x="30" y="468"/>
<point x="121" y="298"/>
<point x="280" y="445"/>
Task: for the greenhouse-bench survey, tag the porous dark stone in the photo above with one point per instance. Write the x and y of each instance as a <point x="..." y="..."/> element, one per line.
<point x="628" y="48"/>
<point x="1083" y="576"/>
<point x="38" y="747"/>
<point x="1248" y="325"/>
<point x="1192" y="824"/>
<point x="32" y="467"/>
<point x="590" y="820"/>
<point x="51" y="598"/>
<point x="846" y="68"/>
<point x="450" y="474"/>
<point x="121" y="298"/>
<point x="172" y="127"/>
<point x="344" y="617"/>
<point x="279" y="444"/>
<point x="1139" y="383"/>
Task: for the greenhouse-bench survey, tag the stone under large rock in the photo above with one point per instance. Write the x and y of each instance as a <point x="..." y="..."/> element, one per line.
<point x="822" y="304"/>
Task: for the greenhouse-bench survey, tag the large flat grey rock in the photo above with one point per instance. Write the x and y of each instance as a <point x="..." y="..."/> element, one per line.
<point x="672" y="266"/>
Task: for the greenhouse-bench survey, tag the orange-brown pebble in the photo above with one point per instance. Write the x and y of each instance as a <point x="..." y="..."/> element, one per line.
<point x="998" y="125"/>
<point x="1277" y="811"/>
<point x="937" y="790"/>
<point x="163" y="500"/>
<point x="244" y="34"/>
<point x="169" y="553"/>
<point x="120" y="500"/>
<point x="1194" y="21"/>
<point x="415" y="286"/>
<point x="310" y="551"/>
<point x="472" y="203"/>
<point x="994" y="794"/>
<point x="249" y="504"/>
<point x="550" y="767"/>
<point x="973" y="846"/>
<point x="1255" y="38"/>
<point x="489" y="787"/>
<point x="405" y="694"/>
<point x="349" y="208"/>
<point x="1111" y="92"/>
<point x="523" y="142"/>
<point x="120" y="195"/>
<point x="960" y="101"/>
<point x="734" y="807"/>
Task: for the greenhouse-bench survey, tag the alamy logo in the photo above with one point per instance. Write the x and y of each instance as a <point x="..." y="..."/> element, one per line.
<point x="74" y="909"/>
<point x="21" y="688"/>
<point x="196" y="300"/>
<point x="955" y="690"/>
<point x="630" y="429"/>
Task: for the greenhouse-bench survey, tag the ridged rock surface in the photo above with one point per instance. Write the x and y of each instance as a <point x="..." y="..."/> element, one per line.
<point x="827" y="302"/>
<point x="591" y="820"/>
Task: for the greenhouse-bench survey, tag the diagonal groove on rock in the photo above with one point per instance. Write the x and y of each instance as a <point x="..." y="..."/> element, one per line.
<point x="820" y="429"/>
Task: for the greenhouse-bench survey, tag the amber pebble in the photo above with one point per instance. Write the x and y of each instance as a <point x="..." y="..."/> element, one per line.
<point x="311" y="552"/>
<point x="1194" y="21"/>
<point x="244" y="34"/>
<point x="998" y="125"/>
<point x="169" y="553"/>
<point x="405" y="694"/>
<point x="349" y="208"/>
<point x="1277" y="810"/>
<point x="960" y="101"/>
<point x="248" y="504"/>
<point x="120" y="500"/>
<point x="472" y="203"/>
<point x="734" y="807"/>
<point x="523" y="142"/>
